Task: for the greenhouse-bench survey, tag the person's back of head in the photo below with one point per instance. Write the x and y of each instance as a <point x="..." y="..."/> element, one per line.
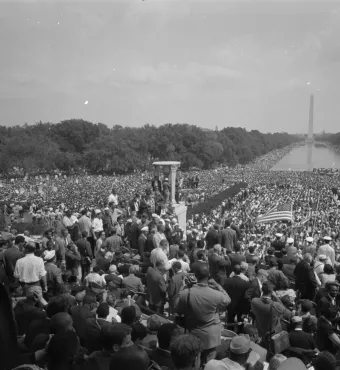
<point x="176" y="266"/>
<point x="180" y="254"/>
<point x="200" y="255"/>
<point x="270" y="251"/>
<point x="267" y="288"/>
<point x="89" y="299"/>
<point x="115" y="336"/>
<point x="227" y="223"/>
<point x="62" y="349"/>
<point x="57" y="304"/>
<point x="130" y="358"/>
<point x="186" y="352"/>
<point x="237" y="269"/>
<point x="276" y="361"/>
<point x="19" y="240"/>
<point x="166" y="334"/>
<point x="128" y="315"/>
<point x="103" y="310"/>
<point x="324" y="361"/>
<point x="84" y="234"/>
<point x="237" y="247"/>
<point x="202" y="272"/>
<point x="61" y="321"/>
<point x="251" y="249"/>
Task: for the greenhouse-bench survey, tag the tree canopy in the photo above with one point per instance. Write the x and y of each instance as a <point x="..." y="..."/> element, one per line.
<point x="78" y="144"/>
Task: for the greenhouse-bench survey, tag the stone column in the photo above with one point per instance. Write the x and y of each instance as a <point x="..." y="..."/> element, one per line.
<point x="172" y="179"/>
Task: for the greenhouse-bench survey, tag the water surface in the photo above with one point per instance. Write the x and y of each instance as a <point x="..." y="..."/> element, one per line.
<point x="308" y="156"/>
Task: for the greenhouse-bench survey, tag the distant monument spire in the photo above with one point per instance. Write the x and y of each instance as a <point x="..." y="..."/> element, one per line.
<point x="310" y="138"/>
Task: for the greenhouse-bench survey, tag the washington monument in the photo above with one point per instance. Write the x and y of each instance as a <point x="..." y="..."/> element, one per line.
<point x="310" y="137"/>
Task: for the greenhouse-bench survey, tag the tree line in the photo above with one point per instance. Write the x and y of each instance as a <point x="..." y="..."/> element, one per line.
<point x="78" y="144"/>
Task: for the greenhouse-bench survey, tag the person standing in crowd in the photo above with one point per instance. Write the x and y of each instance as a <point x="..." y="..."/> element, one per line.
<point x="228" y="237"/>
<point x="114" y="242"/>
<point x="85" y="252"/>
<point x="305" y="280"/>
<point x="327" y="250"/>
<point x="142" y="241"/>
<point x="61" y="246"/>
<point x="12" y="255"/>
<point x="213" y="236"/>
<point x="156" y="287"/>
<point x="30" y="270"/>
<point x="113" y="197"/>
<point x="205" y="300"/>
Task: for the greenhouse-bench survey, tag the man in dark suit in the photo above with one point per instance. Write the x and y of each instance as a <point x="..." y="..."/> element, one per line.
<point x="236" y="288"/>
<point x="175" y="285"/>
<point x="236" y="257"/>
<point x="284" y="260"/>
<point x="298" y="338"/>
<point x="305" y="280"/>
<point x="53" y="274"/>
<point x="213" y="237"/>
<point x="218" y="264"/>
<point x="12" y="254"/>
<point x="288" y="269"/>
<point x="255" y="288"/>
<point x="61" y="245"/>
<point x="94" y="325"/>
<point x="84" y="248"/>
<point x="329" y="299"/>
<point x="81" y="313"/>
<point x="278" y="245"/>
<point x="156" y="287"/>
<point x="228" y="237"/>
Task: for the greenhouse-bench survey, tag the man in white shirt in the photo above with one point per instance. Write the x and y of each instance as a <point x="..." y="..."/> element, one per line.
<point x="327" y="250"/>
<point x="113" y="197"/>
<point x="30" y="270"/>
<point x="159" y="235"/>
<point x="97" y="224"/>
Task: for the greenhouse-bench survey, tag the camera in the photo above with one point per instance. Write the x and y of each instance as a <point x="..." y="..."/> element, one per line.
<point x="190" y="280"/>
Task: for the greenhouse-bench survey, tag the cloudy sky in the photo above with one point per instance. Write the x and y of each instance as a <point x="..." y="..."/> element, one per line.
<point x="250" y="64"/>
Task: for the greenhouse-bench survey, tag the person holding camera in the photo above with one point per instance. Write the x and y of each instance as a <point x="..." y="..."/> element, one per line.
<point x="200" y="304"/>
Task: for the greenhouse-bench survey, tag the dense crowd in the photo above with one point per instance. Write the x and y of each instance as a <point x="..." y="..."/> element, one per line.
<point x="115" y="282"/>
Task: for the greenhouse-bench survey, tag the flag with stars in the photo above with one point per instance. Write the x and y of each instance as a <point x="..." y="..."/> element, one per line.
<point x="278" y="212"/>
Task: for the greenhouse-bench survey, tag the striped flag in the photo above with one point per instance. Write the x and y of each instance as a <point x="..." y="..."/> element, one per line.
<point x="278" y="212"/>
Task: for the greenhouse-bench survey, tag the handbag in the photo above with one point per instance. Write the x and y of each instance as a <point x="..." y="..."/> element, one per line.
<point x="279" y="341"/>
<point x="181" y="320"/>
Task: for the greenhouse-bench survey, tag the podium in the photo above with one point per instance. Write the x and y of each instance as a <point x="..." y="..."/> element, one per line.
<point x="169" y="170"/>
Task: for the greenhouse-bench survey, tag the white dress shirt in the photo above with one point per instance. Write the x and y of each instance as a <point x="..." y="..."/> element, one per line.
<point x="29" y="269"/>
<point x="97" y="225"/>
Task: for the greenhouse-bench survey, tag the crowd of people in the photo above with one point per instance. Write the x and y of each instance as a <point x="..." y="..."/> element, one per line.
<point x="116" y="282"/>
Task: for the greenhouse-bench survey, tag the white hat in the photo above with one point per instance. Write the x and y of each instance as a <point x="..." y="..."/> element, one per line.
<point x="113" y="268"/>
<point x="145" y="228"/>
<point x="174" y="220"/>
<point x="49" y="255"/>
<point x="309" y="239"/>
<point x="166" y="220"/>
<point x="327" y="238"/>
<point x="278" y="235"/>
<point x="195" y="231"/>
<point x="322" y="257"/>
<point x="290" y="240"/>
<point x="129" y="220"/>
<point x="97" y="211"/>
<point x="154" y="215"/>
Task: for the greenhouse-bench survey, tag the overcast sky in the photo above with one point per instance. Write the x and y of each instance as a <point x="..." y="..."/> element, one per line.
<point x="250" y="64"/>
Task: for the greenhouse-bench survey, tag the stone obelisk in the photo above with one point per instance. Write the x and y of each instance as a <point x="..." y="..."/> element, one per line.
<point x="310" y="138"/>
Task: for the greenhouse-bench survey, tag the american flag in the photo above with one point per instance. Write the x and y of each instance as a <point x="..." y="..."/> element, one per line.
<point x="278" y="212"/>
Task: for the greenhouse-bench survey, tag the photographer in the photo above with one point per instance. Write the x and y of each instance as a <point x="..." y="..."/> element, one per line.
<point x="200" y="304"/>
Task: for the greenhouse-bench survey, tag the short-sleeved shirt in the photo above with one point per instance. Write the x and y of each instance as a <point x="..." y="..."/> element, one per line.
<point x="29" y="269"/>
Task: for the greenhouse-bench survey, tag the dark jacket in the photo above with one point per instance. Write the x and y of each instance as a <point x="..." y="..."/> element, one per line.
<point x="218" y="266"/>
<point x="79" y="316"/>
<point x="212" y="238"/>
<point x="236" y="288"/>
<point x="10" y="256"/>
<point x="84" y="248"/>
<point x="53" y="277"/>
<point x="92" y="333"/>
<point x="156" y="287"/>
<point x="25" y="312"/>
<point x="253" y="291"/>
<point x="228" y="239"/>
<point x="305" y="280"/>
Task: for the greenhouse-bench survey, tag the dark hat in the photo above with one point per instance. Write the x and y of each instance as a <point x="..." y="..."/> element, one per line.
<point x="306" y="305"/>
